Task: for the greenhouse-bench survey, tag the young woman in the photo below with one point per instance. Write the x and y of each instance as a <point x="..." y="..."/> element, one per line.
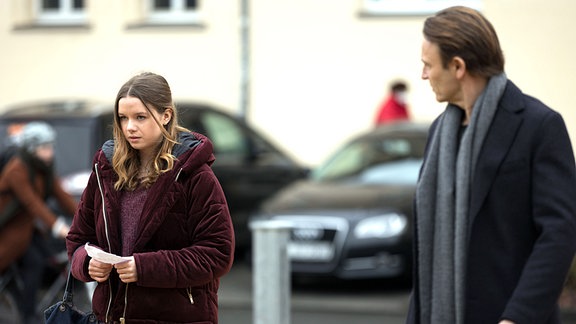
<point x="153" y="199"/>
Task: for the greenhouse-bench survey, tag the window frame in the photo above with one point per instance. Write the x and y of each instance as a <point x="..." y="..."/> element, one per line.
<point x="175" y="15"/>
<point x="412" y="7"/>
<point x="64" y="15"/>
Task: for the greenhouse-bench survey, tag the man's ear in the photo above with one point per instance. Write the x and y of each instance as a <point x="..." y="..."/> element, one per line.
<point x="459" y="66"/>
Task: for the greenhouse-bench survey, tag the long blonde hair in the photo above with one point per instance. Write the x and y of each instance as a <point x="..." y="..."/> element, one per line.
<point x="154" y="92"/>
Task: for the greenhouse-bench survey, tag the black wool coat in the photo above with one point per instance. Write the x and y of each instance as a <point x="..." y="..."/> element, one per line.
<point x="522" y="214"/>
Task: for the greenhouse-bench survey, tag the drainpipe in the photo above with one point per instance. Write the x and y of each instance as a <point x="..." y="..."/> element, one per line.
<point x="245" y="58"/>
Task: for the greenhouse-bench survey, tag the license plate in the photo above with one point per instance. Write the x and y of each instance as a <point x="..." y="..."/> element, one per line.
<point x="310" y="251"/>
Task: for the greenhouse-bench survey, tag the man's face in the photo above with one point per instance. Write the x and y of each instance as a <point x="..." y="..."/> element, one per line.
<point x="442" y="80"/>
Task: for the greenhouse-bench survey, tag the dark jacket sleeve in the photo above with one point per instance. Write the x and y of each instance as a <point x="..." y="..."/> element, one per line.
<point x="30" y="195"/>
<point x="554" y="216"/>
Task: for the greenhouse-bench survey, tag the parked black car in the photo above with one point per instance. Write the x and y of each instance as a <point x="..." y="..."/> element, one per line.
<point x="352" y="219"/>
<point x="249" y="167"/>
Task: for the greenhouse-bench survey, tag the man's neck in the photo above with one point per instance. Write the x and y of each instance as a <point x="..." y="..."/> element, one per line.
<point x="472" y="88"/>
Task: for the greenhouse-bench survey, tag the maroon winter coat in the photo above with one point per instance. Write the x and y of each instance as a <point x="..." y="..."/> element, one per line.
<point x="185" y="242"/>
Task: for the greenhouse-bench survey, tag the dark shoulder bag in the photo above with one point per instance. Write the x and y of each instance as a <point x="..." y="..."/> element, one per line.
<point x="65" y="312"/>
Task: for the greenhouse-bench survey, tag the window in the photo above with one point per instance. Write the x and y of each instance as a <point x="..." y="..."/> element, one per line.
<point x="173" y="11"/>
<point x="227" y="136"/>
<point x="60" y="12"/>
<point x="412" y="7"/>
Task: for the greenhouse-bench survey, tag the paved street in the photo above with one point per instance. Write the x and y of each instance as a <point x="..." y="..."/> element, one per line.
<point x="363" y="302"/>
<point x="334" y="302"/>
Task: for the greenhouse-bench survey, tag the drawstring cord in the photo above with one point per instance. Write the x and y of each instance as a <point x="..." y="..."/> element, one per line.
<point x="123" y="318"/>
<point x="189" y="291"/>
<point x="107" y="237"/>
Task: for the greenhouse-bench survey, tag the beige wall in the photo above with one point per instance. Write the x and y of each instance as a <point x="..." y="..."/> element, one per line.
<point x="200" y="63"/>
<point x="539" y="41"/>
<point x="318" y="69"/>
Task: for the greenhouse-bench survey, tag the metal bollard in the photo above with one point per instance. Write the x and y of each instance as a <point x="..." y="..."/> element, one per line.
<point x="271" y="272"/>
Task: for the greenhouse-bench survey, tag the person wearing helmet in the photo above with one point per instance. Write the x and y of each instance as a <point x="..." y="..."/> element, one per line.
<point x="26" y="183"/>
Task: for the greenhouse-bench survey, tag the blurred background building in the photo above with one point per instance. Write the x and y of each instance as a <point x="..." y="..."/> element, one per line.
<point x="309" y="74"/>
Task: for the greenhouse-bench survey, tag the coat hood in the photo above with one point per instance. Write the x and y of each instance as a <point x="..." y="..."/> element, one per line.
<point x="192" y="151"/>
<point x="184" y="240"/>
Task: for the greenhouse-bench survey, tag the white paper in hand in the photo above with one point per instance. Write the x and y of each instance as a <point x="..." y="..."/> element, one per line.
<point x="104" y="257"/>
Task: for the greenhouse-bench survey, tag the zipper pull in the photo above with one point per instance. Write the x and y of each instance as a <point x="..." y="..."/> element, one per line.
<point x="122" y="320"/>
<point x="189" y="291"/>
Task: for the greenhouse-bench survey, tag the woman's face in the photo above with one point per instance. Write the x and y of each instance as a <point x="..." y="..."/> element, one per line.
<point x="139" y="126"/>
<point x="45" y="152"/>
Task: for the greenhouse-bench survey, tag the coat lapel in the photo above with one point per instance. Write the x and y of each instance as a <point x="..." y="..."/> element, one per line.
<point x="156" y="208"/>
<point x="498" y="142"/>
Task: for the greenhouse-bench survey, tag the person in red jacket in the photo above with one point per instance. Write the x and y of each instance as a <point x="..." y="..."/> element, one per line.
<point x="153" y="202"/>
<point x="394" y="107"/>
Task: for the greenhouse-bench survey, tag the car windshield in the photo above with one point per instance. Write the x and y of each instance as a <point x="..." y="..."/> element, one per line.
<point x="374" y="161"/>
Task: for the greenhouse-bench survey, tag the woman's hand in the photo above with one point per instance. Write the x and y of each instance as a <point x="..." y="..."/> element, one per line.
<point x="99" y="271"/>
<point x="127" y="270"/>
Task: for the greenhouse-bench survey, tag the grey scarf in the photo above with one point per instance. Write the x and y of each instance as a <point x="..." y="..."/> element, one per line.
<point x="442" y="207"/>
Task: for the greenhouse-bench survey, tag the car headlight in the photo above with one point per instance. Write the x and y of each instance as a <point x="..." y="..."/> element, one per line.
<point x="380" y="226"/>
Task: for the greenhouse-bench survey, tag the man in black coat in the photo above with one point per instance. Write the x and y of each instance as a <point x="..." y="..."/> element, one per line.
<point x="495" y="208"/>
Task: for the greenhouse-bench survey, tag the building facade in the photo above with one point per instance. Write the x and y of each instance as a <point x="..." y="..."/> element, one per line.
<point x="309" y="74"/>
